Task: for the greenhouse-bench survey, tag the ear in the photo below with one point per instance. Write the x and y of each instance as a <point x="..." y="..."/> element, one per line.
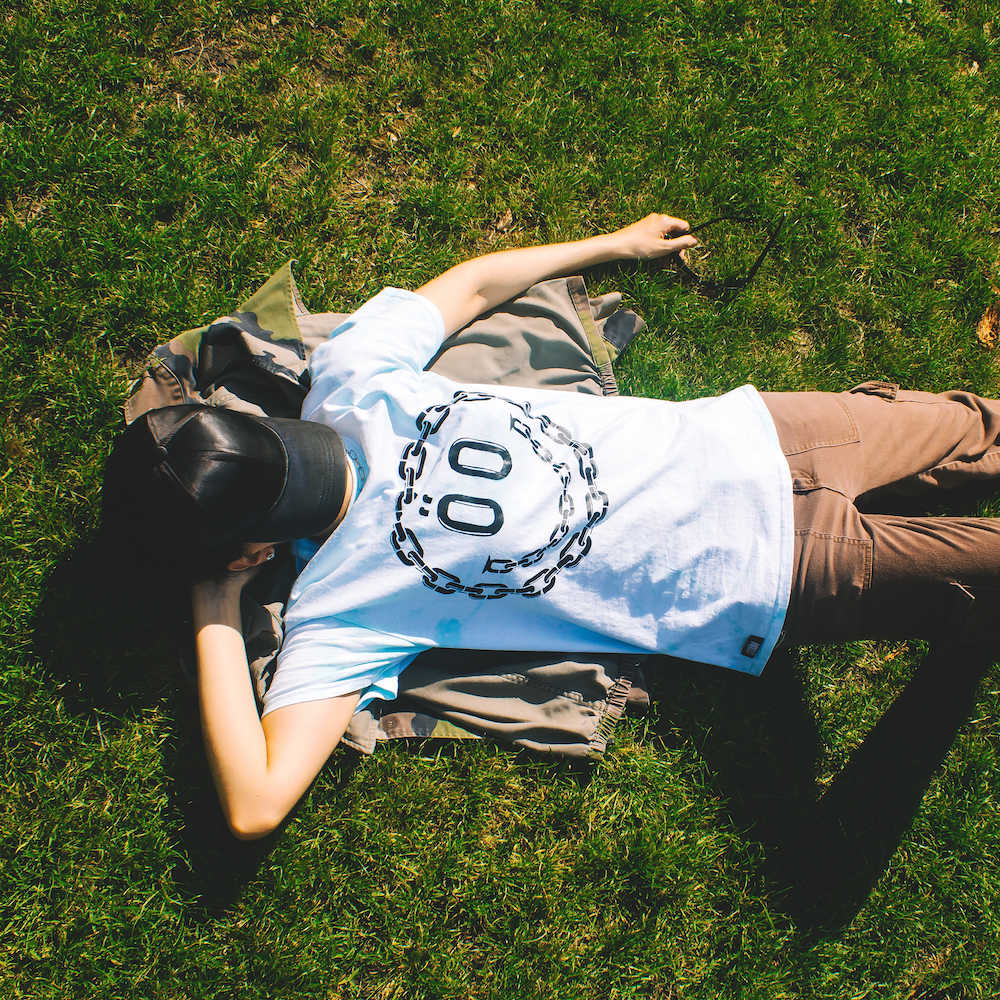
<point x="254" y="553"/>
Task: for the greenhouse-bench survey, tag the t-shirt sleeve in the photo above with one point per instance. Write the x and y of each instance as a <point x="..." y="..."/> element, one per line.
<point x="328" y="658"/>
<point x="396" y="330"/>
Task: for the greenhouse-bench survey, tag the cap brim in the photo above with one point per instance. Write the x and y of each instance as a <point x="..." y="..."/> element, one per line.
<point x="316" y="481"/>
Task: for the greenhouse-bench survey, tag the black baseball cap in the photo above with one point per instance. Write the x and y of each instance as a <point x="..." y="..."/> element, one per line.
<point x="210" y="476"/>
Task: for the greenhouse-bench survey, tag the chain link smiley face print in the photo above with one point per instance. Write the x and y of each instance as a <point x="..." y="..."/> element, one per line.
<point x="464" y="489"/>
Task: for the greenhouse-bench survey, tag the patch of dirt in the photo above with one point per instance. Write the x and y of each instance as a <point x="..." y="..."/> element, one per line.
<point x="205" y="54"/>
<point x="357" y="188"/>
<point x="323" y="73"/>
<point x="846" y="311"/>
<point x="919" y="970"/>
<point x="28" y="208"/>
<point x="802" y="340"/>
<point x="295" y="167"/>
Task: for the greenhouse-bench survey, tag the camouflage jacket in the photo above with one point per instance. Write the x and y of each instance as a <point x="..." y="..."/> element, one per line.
<point x="553" y="336"/>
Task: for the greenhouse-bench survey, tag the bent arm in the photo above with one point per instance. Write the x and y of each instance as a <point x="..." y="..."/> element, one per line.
<point x="475" y="286"/>
<point x="261" y="768"/>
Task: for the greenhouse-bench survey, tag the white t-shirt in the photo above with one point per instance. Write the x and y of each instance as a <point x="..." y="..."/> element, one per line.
<point x="495" y="518"/>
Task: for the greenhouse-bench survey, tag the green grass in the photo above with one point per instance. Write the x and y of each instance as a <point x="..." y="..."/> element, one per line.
<point x="830" y="829"/>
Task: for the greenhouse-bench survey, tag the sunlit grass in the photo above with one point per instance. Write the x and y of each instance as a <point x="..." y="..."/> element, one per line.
<point x="778" y="837"/>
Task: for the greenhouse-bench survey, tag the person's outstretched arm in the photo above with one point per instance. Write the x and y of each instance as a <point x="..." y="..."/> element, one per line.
<point x="261" y="768"/>
<point x="476" y="286"/>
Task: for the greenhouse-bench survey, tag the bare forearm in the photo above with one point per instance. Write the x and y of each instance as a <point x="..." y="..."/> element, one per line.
<point x="234" y="738"/>
<point x="477" y="285"/>
<point x="260" y="767"/>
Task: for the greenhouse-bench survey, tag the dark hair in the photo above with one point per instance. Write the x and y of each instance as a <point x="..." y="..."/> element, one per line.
<point x="203" y="564"/>
<point x="145" y="552"/>
<point x="143" y="539"/>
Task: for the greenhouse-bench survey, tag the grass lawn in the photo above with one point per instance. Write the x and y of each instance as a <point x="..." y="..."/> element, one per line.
<point x="830" y="829"/>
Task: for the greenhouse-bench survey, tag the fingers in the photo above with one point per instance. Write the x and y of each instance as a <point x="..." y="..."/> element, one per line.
<point x="655" y="236"/>
<point x="671" y="225"/>
<point x="678" y="243"/>
<point x="671" y="233"/>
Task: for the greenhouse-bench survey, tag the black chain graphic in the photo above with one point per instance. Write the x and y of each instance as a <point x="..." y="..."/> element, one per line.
<point x="411" y="468"/>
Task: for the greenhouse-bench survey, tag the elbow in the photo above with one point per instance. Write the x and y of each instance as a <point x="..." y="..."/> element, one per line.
<point x="251" y="831"/>
<point x="252" y="824"/>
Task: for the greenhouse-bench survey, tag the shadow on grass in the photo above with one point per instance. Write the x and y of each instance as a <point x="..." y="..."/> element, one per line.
<point x="823" y="854"/>
<point x="827" y="865"/>
<point x="217" y="868"/>
<point x="104" y="640"/>
<point x="107" y="643"/>
<point x="757" y="735"/>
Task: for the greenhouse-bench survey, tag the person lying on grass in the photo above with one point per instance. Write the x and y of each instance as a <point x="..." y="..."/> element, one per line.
<point x="434" y="514"/>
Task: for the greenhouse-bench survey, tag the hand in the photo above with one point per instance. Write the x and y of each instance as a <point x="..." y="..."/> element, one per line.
<point x="653" y="236"/>
<point x="219" y="600"/>
<point x="228" y="584"/>
<point x="241" y="572"/>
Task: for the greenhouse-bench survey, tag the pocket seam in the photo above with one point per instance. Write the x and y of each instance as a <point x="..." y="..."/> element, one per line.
<point x="853" y="438"/>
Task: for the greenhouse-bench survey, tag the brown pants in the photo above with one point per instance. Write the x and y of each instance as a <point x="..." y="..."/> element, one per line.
<point x="862" y="576"/>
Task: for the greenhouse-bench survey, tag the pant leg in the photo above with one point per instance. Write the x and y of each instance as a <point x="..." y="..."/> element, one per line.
<point x="878" y="437"/>
<point x="874" y="576"/>
<point x="863" y="576"/>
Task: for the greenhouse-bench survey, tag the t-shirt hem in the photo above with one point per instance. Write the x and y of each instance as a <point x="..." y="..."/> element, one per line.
<point x="786" y="555"/>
